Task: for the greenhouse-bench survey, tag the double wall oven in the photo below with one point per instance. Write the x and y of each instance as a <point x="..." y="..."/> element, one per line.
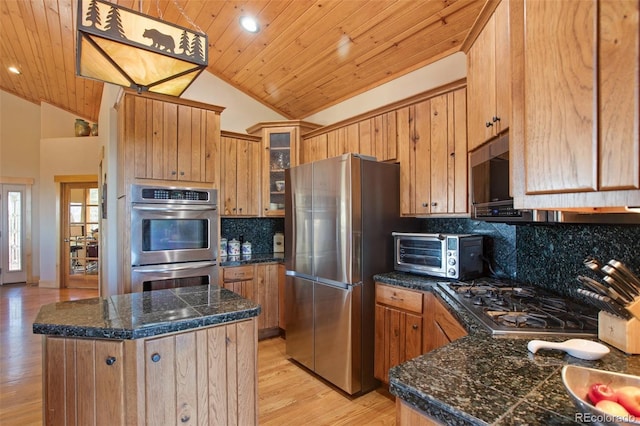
<point x="174" y="234"/>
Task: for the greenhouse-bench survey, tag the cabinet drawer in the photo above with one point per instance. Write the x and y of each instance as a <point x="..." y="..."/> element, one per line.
<point x="238" y="273"/>
<point x="399" y="298"/>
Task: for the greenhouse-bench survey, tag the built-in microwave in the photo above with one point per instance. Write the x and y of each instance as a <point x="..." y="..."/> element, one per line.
<point x="457" y="256"/>
<point x="489" y="185"/>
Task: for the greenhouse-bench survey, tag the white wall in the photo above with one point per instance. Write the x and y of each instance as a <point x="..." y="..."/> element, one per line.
<point x="108" y="134"/>
<point x="241" y="110"/>
<point x="20" y="157"/>
<point x="446" y="70"/>
<point x="19" y="137"/>
<point x="57" y="123"/>
<point x="59" y="156"/>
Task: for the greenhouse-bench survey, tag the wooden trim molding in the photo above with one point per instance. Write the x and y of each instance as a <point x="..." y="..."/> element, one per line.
<point x="17" y="180"/>
<point x="229" y="134"/>
<point x="75" y="178"/>
<point x="388" y="108"/>
<point x="170" y="99"/>
<point x="482" y="19"/>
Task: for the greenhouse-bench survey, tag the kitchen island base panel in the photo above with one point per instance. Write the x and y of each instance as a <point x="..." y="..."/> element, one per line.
<point x="204" y="376"/>
<point x="406" y="415"/>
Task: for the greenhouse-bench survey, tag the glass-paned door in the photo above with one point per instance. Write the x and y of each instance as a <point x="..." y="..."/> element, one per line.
<point x="279" y="144"/>
<point x="12" y="234"/>
<point x="80" y="230"/>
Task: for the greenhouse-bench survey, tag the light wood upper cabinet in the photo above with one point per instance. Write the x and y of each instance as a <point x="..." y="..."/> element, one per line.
<point x="165" y="138"/>
<point x="575" y="138"/>
<point x="314" y="149"/>
<point x="432" y="149"/>
<point x="372" y="135"/>
<point x="488" y="83"/>
<point x="240" y="174"/>
<point x="281" y="150"/>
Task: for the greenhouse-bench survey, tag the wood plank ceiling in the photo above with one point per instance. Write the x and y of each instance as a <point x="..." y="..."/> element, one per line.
<point x="309" y="54"/>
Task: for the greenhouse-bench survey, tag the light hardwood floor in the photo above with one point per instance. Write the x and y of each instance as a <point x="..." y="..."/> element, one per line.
<point x="288" y="394"/>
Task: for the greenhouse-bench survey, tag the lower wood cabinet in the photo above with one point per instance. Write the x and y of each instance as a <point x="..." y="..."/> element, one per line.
<point x="406" y="415"/>
<point x="205" y="376"/>
<point x="260" y="283"/>
<point x="409" y="323"/>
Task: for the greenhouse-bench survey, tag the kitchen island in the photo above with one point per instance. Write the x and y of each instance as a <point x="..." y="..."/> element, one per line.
<point x="479" y="379"/>
<point x="179" y="356"/>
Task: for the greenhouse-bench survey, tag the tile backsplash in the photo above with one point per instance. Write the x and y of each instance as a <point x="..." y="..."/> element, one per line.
<point x="549" y="256"/>
<point x="258" y="231"/>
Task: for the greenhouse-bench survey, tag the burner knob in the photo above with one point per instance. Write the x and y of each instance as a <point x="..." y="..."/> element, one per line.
<point x="451" y="261"/>
<point x="501" y="302"/>
<point x="478" y="301"/>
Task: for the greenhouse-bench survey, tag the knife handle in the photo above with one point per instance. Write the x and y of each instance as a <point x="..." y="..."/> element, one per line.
<point x="634" y="308"/>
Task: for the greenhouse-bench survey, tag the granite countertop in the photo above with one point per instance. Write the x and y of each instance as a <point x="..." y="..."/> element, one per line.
<point x="480" y="379"/>
<point x="139" y="315"/>
<point x="248" y="259"/>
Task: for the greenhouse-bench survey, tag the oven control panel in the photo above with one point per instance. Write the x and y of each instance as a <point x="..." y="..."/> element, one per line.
<point x="151" y="194"/>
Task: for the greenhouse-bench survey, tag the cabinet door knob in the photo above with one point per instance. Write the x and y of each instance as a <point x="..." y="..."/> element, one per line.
<point x="240" y="209"/>
<point x="425" y="204"/>
<point x="173" y="173"/>
<point x="155" y="357"/>
<point x="434" y="204"/>
<point x="110" y="360"/>
<point x="489" y="124"/>
<point x="181" y="173"/>
<point x="414" y="326"/>
<point x="496" y="119"/>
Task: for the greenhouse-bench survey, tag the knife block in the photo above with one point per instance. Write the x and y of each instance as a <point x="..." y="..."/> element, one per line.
<point x="620" y="333"/>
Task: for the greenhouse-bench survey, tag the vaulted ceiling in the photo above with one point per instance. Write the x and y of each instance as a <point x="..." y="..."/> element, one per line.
<point x="309" y="54"/>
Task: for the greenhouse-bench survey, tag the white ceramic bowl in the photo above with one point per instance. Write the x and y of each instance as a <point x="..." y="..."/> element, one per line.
<point x="577" y="381"/>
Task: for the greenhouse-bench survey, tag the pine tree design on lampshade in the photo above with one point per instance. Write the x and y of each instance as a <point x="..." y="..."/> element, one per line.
<point x="135" y="50"/>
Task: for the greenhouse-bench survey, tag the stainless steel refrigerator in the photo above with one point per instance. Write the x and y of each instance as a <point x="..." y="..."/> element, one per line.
<point x="339" y="215"/>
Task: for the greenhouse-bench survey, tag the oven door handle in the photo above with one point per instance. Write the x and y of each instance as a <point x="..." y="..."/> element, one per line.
<point x="169" y="268"/>
<point x="172" y="209"/>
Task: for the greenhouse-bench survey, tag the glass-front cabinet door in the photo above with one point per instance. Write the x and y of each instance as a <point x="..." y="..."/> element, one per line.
<point x="281" y="140"/>
<point x="279" y="144"/>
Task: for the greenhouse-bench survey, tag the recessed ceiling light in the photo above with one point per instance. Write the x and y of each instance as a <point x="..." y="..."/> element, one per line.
<point x="249" y="24"/>
<point x="15" y="70"/>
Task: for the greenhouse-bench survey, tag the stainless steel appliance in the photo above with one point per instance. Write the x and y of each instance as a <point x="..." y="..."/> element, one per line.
<point x="339" y="216"/>
<point x="489" y="185"/>
<point x="457" y="256"/>
<point x="174" y="234"/>
<point x="508" y="308"/>
<point x="491" y="200"/>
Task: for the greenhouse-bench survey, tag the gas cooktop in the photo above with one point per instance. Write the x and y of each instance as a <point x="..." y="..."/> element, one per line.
<point x="511" y="308"/>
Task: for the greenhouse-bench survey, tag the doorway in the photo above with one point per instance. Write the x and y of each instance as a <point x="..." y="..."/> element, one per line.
<point x="80" y="229"/>
<point x="12" y="234"/>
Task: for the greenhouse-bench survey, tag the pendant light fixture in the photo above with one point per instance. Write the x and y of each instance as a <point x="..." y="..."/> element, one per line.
<point x="124" y="47"/>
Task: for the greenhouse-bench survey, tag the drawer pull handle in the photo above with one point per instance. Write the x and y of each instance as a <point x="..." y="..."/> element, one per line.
<point x="110" y="360"/>
<point x="155" y="357"/>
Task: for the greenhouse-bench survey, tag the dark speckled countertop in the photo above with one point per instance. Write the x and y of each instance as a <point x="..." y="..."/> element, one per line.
<point x="139" y="315"/>
<point x="484" y="380"/>
<point x="226" y="261"/>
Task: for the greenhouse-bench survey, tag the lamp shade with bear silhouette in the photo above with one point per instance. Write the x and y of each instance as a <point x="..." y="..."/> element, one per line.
<point x="124" y="47"/>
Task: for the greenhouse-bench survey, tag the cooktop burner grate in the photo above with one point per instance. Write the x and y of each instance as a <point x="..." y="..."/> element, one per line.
<point x="508" y="308"/>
